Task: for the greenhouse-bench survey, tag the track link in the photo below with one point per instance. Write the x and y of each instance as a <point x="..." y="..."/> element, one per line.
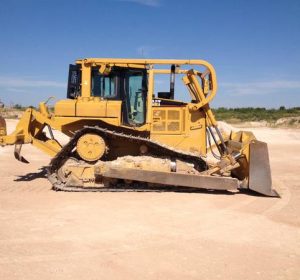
<point x="156" y="149"/>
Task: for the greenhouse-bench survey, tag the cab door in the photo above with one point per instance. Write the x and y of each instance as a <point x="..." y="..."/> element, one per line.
<point x="135" y="97"/>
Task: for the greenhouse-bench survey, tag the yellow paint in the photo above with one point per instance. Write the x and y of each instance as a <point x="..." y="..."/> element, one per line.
<point x="181" y="125"/>
<point x="90" y="147"/>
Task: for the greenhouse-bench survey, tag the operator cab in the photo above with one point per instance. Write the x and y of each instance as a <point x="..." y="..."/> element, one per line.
<point x="128" y="85"/>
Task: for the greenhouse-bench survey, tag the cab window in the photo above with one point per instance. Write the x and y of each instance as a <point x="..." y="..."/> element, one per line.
<point x="103" y="85"/>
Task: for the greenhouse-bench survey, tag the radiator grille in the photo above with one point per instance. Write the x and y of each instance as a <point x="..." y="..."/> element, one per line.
<point x="173" y="115"/>
<point x="173" y="126"/>
<point x="167" y="120"/>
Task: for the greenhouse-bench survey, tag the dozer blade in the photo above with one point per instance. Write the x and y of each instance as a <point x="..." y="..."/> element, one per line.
<point x="260" y="179"/>
<point x="17" y="154"/>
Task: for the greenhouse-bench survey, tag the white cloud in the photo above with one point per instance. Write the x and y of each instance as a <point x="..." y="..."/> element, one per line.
<point x="15" y="82"/>
<point x="28" y="90"/>
<point x="151" y="3"/>
<point x="258" y="88"/>
<point x="18" y="90"/>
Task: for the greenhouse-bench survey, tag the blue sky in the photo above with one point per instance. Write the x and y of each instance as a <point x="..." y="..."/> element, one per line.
<point x="254" y="45"/>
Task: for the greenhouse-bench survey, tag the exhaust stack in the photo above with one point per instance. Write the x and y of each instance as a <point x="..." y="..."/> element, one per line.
<point x="172" y="82"/>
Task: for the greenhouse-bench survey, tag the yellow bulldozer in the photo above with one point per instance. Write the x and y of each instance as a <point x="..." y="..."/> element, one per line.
<point x="123" y="133"/>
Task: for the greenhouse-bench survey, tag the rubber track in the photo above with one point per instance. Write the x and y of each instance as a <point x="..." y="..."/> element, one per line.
<point x="156" y="148"/>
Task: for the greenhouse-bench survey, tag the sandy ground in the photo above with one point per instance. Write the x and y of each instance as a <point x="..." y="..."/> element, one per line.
<point x="167" y="235"/>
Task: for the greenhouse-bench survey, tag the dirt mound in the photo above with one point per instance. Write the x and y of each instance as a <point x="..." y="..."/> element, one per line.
<point x="225" y="128"/>
<point x="288" y="122"/>
<point x="11" y="113"/>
